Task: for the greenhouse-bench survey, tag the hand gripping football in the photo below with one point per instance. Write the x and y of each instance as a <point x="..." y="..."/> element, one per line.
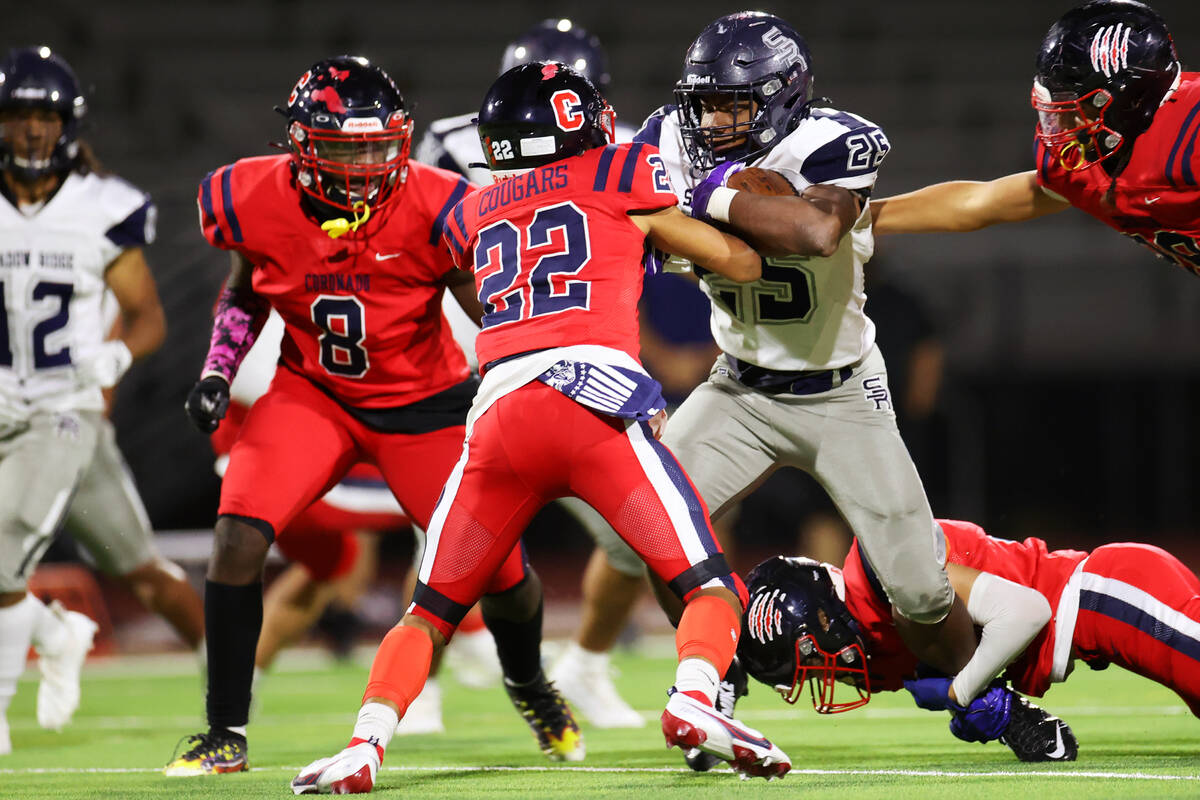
<point x="761" y="181"/>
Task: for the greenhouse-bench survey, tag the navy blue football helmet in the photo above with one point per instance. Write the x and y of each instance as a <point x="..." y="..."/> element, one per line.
<point x="36" y="77"/>
<point x="349" y="133"/>
<point x="752" y="63"/>
<point x="797" y="630"/>
<point x="541" y="112"/>
<point x="563" y="41"/>
<point x="1102" y="71"/>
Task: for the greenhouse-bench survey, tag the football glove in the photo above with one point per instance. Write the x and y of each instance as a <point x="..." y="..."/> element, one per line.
<point x="207" y="402"/>
<point x="105" y="366"/>
<point x="703" y="192"/>
<point x="932" y="694"/>
<point x="986" y="718"/>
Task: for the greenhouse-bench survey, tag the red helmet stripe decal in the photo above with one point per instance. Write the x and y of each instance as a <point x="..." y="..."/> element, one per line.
<point x="330" y="97"/>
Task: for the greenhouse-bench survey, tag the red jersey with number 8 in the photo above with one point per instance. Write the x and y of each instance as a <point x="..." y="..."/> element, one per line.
<point x="557" y="260"/>
<point x="362" y="312"/>
<point x="1155" y="199"/>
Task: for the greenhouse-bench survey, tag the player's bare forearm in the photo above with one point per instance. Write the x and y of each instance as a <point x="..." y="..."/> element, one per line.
<point x="462" y="285"/>
<point x="674" y="232"/>
<point x="141" y="323"/>
<point x="807" y="225"/>
<point x="960" y="206"/>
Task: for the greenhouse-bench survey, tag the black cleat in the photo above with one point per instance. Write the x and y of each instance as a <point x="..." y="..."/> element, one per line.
<point x="1036" y="735"/>
<point x="549" y="717"/>
<point x="733" y="686"/>
<point x="212" y="753"/>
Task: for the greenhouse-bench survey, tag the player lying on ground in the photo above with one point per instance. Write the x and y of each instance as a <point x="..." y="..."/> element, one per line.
<point x="565" y="407"/>
<point x="1115" y="114"/>
<point x="1134" y="605"/>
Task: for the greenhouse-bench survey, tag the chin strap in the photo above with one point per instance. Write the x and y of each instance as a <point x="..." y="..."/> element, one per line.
<point x="341" y="226"/>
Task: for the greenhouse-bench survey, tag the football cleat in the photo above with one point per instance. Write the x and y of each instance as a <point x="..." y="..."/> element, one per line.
<point x="689" y="724"/>
<point x="58" y="692"/>
<point x="212" y="753"/>
<point x="549" y="717"/>
<point x="733" y="686"/>
<point x="588" y="687"/>
<point x="351" y="771"/>
<point x="1033" y="734"/>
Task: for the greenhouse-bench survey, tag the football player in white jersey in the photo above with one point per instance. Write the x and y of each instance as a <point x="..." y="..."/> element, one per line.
<point x="800" y="382"/>
<point x="613" y="580"/>
<point x="68" y="235"/>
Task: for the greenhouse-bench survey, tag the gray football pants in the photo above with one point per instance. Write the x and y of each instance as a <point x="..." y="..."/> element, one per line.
<point x="65" y="467"/>
<point x="729" y="438"/>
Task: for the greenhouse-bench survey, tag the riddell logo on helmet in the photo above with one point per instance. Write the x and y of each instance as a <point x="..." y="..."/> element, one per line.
<point x="361" y="125"/>
<point x="1110" y="49"/>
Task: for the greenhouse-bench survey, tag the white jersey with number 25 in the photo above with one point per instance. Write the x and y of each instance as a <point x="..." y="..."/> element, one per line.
<point x="805" y="313"/>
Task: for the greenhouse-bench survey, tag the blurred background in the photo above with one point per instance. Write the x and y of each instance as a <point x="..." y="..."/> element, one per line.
<point x="1064" y="359"/>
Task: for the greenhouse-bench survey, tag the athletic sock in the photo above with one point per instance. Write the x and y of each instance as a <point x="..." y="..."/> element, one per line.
<point x="698" y="679"/>
<point x="16" y="634"/>
<point x="375" y="725"/>
<point x="401" y="667"/>
<point x="232" y="621"/>
<point x="518" y="646"/>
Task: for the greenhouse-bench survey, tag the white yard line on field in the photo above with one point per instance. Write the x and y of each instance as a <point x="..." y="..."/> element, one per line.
<point x="901" y="773"/>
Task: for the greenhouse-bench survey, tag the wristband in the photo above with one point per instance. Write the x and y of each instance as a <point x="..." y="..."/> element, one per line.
<point x="718" y="203"/>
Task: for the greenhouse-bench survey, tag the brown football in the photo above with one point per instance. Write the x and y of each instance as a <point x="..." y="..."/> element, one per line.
<point x="760" y="181"/>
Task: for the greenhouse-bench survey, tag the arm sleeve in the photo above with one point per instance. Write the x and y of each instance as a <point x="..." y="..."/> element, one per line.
<point x="239" y="318"/>
<point x="1011" y="616"/>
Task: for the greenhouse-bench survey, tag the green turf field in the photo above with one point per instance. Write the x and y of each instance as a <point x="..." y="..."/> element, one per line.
<point x="1136" y="740"/>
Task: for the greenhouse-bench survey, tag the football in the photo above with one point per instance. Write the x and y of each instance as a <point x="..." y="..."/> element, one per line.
<point x="760" y="181"/>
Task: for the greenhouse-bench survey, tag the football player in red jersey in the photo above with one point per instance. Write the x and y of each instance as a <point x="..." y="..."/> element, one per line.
<point x="1118" y="122"/>
<point x="565" y="408"/>
<point x="342" y="237"/>
<point x="1130" y="604"/>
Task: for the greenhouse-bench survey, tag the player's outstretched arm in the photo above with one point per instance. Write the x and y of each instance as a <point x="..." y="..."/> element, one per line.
<point x="1010" y="616"/>
<point x="674" y="232"/>
<point x="957" y="206"/>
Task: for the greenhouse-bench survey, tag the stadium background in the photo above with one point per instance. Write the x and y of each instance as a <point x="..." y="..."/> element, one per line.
<point x="1073" y="360"/>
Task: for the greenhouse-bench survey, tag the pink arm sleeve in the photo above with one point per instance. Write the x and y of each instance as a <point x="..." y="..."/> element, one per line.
<point x="240" y="316"/>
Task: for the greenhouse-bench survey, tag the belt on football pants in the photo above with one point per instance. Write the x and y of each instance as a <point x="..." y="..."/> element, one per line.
<point x="769" y="381"/>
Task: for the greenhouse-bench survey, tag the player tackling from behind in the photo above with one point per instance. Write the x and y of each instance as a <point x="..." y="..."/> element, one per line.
<point x="801" y="382"/>
<point x="565" y="408"/>
<point x="1115" y="138"/>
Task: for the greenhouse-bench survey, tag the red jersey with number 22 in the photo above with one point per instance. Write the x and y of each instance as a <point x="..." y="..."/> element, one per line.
<point x="1155" y="199"/>
<point x="363" y="312"/>
<point x="557" y="260"/>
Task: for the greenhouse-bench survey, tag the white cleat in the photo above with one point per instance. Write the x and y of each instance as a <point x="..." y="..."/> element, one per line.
<point x="351" y="771"/>
<point x="688" y="723"/>
<point x="589" y="689"/>
<point x="424" y="714"/>
<point x="58" y="692"/>
<point x="472" y="659"/>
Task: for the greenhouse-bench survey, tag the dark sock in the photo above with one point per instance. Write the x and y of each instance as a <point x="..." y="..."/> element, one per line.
<point x="518" y="645"/>
<point x="232" y="621"/>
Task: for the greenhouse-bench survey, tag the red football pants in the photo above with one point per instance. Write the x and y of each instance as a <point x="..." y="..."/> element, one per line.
<point x="534" y="445"/>
<point x="296" y="443"/>
<point x="1139" y="607"/>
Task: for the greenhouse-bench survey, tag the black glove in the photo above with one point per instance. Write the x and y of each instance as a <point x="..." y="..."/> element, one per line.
<point x="207" y="403"/>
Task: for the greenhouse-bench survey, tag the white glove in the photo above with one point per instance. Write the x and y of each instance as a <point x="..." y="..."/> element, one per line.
<point x="106" y="364"/>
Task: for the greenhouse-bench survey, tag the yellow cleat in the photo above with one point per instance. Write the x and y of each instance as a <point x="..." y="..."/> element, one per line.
<point x="212" y="753"/>
<point x="549" y="718"/>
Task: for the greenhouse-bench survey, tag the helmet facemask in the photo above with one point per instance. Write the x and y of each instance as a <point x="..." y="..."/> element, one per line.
<point x="824" y="672"/>
<point x="358" y="167"/>
<point x="1074" y="126"/>
<point x="754" y="109"/>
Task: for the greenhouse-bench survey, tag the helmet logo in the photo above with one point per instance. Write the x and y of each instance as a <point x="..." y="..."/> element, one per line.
<point x="330" y="97"/>
<point x="568" y="108"/>
<point x="549" y="71"/>
<point x="764" y="620"/>
<point x="300" y="84"/>
<point x="338" y="74"/>
<point x="1110" y="49"/>
<point x="777" y="40"/>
